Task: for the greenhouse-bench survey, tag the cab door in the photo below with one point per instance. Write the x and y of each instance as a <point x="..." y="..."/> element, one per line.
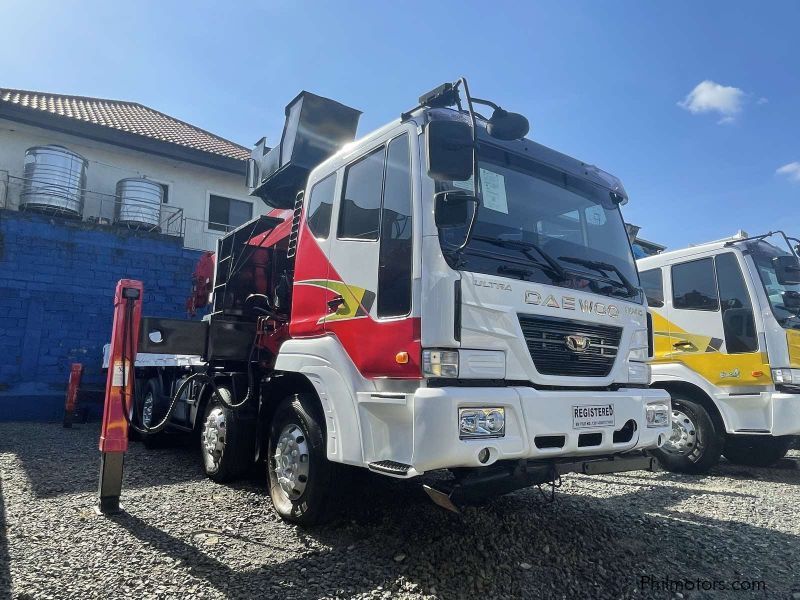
<point x="711" y="322"/>
<point x="369" y="305"/>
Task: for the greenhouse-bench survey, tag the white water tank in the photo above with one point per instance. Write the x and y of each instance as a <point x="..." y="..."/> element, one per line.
<point x="139" y="202"/>
<point x="54" y="181"/>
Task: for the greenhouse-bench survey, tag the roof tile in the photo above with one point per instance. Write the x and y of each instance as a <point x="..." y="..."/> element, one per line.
<point x="131" y="117"/>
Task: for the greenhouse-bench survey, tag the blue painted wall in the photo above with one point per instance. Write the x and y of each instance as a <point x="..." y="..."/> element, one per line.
<point x="57" y="281"/>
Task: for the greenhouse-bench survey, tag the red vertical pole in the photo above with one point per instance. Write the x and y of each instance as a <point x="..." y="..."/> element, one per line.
<point x="72" y="393"/>
<point x="119" y="387"/>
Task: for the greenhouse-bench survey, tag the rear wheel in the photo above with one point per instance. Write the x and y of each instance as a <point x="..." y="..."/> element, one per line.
<point x="151" y="412"/>
<point x="302" y="482"/>
<point x="225" y="441"/>
<point x="756" y="450"/>
<point x="694" y="445"/>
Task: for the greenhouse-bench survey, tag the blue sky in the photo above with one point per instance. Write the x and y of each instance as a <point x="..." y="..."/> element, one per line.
<point x="607" y="82"/>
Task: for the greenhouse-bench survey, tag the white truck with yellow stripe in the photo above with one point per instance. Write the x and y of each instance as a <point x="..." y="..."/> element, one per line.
<point x="726" y="320"/>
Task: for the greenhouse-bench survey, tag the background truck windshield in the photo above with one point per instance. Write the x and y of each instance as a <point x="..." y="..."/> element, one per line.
<point x="763" y="253"/>
<point x="532" y="213"/>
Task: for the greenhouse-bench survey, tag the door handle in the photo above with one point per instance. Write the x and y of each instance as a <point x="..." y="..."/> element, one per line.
<point x="335" y="303"/>
<point x="683" y="345"/>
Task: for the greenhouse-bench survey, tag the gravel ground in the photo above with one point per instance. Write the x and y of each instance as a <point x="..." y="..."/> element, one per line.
<point x="186" y="537"/>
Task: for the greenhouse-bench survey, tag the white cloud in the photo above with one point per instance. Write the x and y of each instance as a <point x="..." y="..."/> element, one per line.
<point x="709" y="96"/>
<point x="762" y="100"/>
<point x="791" y="171"/>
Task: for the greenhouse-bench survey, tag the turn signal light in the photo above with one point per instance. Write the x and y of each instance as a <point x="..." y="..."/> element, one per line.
<point x="401" y="358"/>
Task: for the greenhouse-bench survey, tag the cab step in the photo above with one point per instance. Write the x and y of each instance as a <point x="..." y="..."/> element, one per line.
<point x="390" y="467"/>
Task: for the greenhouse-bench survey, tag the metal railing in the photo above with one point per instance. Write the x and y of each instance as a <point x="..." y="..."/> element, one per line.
<point x="103" y="209"/>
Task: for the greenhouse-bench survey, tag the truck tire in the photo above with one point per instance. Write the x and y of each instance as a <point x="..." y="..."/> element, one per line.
<point x="226" y="447"/>
<point x="151" y="411"/>
<point x="303" y="483"/>
<point x="756" y="450"/>
<point x="695" y="444"/>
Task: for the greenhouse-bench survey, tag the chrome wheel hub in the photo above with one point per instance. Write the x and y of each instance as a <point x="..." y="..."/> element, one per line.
<point x="147" y="410"/>
<point x="683" y="439"/>
<point x="291" y="461"/>
<point x="213" y="438"/>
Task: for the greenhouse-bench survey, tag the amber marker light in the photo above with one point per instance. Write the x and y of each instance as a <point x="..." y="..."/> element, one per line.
<point x="401" y="358"/>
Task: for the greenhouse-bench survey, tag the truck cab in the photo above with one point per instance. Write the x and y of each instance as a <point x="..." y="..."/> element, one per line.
<point x="726" y="323"/>
<point x="456" y="296"/>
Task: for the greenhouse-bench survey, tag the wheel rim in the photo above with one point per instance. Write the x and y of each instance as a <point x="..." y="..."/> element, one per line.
<point x="147" y="410"/>
<point x="683" y="440"/>
<point x="291" y="461"/>
<point x="213" y="438"/>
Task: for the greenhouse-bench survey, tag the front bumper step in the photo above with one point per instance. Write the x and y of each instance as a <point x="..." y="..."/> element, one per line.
<point x="502" y="478"/>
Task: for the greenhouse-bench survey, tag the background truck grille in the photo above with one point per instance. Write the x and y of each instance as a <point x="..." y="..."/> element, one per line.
<point x="546" y="341"/>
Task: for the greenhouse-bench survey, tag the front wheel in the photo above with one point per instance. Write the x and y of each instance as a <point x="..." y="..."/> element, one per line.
<point x="694" y="445"/>
<point x="302" y="482"/>
<point x="756" y="450"/>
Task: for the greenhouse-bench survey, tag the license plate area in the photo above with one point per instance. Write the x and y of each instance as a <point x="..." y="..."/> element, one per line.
<point x="590" y="416"/>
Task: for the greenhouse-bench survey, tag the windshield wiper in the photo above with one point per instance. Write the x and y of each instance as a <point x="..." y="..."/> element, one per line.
<point x="604" y="268"/>
<point x="550" y="264"/>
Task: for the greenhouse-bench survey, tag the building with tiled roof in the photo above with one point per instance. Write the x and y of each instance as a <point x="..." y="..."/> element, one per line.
<point x="202" y="174"/>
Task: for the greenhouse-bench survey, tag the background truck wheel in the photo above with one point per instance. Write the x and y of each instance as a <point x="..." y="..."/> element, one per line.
<point x="151" y="411"/>
<point x="756" y="450"/>
<point x="695" y="445"/>
<point x="303" y="484"/>
<point x="225" y="446"/>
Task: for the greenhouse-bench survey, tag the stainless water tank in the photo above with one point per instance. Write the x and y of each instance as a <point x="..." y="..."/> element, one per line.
<point x="139" y="202"/>
<point x="54" y="181"/>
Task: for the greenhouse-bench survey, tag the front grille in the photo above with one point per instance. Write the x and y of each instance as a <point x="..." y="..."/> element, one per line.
<point x="546" y="340"/>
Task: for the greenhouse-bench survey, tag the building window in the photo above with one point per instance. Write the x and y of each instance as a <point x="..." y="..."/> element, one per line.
<point x="694" y="286"/>
<point x="225" y="214"/>
<point x="653" y="286"/>
<point x="165" y="196"/>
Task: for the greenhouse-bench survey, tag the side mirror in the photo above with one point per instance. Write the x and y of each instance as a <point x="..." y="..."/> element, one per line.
<point x="791" y="299"/>
<point x="155" y="336"/>
<point x="451" y="209"/>
<point x="449" y="150"/>
<point x="787" y="270"/>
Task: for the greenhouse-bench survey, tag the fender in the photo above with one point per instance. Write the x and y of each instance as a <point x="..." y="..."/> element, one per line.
<point x="667" y="373"/>
<point x="326" y="365"/>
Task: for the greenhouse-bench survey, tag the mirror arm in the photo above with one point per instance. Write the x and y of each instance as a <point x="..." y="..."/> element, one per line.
<point x="476" y="180"/>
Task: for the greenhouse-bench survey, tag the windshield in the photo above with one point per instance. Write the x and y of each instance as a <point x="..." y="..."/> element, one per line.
<point x="539" y="224"/>
<point x="763" y="253"/>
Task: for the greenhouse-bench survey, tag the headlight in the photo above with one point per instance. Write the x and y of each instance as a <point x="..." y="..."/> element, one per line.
<point x="639" y="346"/>
<point x="657" y="414"/>
<point x="481" y="422"/>
<point x="440" y="363"/>
<point x="786" y="376"/>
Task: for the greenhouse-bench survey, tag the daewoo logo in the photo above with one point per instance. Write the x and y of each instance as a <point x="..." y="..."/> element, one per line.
<point x="577" y="343"/>
<point x="571" y="303"/>
<point x="493" y="284"/>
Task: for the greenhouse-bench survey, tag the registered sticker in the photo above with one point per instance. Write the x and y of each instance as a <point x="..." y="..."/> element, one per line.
<point x="585" y="417"/>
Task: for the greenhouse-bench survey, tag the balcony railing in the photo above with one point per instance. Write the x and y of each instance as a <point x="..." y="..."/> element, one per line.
<point x="107" y="209"/>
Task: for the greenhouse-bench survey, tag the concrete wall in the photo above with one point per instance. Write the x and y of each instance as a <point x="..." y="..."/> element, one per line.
<point x="189" y="185"/>
<point x="57" y="280"/>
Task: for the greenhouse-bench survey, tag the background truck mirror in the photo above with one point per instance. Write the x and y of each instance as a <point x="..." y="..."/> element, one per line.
<point x="449" y="150"/>
<point x="787" y="270"/>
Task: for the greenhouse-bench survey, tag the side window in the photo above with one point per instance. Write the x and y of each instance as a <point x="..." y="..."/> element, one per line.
<point x="396" y="250"/>
<point x="359" y="217"/>
<point x="694" y="286"/>
<point x="653" y="285"/>
<point x="737" y="309"/>
<point x="319" y="207"/>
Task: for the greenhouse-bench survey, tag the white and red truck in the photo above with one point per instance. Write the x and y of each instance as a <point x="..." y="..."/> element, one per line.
<point x="441" y="293"/>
